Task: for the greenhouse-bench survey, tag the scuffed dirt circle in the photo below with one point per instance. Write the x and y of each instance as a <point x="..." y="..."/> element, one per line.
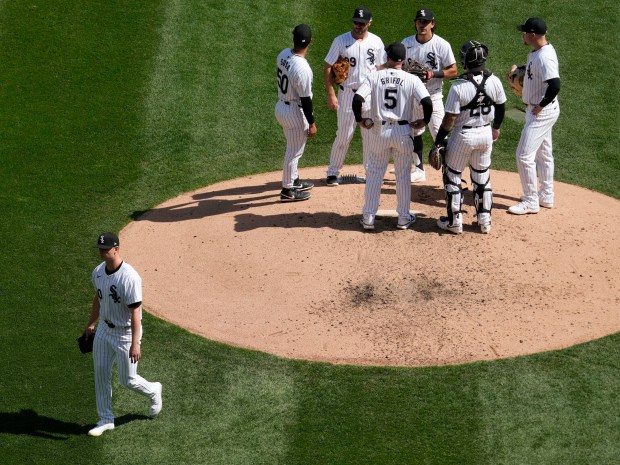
<point x="302" y="280"/>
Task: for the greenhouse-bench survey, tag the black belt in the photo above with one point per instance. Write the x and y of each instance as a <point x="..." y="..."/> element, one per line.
<point x="288" y="103"/>
<point x="112" y="325"/>
<point x="474" y="127"/>
<point x="343" y="88"/>
<point x="402" y="122"/>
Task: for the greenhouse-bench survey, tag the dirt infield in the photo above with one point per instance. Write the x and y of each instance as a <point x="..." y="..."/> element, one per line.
<point x="302" y="280"/>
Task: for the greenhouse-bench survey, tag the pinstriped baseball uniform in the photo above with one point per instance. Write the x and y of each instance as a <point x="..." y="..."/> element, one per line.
<point x="438" y="55"/>
<point x="471" y="141"/>
<point x="294" y="79"/>
<point x="392" y="94"/>
<point x="363" y="56"/>
<point x="116" y="291"/>
<point x="535" y="149"/>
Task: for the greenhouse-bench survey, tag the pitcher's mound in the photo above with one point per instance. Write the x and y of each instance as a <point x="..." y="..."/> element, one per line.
<point x="303" y="280"/>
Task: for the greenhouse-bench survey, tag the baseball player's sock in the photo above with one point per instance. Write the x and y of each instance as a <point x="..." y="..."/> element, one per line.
<point x="293" y="195"/>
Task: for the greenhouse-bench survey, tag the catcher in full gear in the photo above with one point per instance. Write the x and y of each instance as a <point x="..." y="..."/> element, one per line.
<point x="475" y="101"/>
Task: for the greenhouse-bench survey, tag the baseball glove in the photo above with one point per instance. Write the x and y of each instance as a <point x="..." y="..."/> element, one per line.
<point x="515" y="78"/>
<point x="340" y="70"/>
<point x="85" y="343"/>
<point x="437" y="156"/>
<point x="419" y="69"/>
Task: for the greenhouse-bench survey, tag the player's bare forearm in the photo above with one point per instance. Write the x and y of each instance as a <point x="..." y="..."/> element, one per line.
<point x="94" y="316"/>
<point x="136" y="328"/>
<point x="450" y="72"/>
<point x="332" y="99"/>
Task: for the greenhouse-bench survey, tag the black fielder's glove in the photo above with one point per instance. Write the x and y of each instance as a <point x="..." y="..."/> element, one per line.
<point x="85" y="343"/>
<point x="437" y="156"/>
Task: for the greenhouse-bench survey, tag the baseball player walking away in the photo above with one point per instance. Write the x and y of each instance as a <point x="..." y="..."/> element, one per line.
<point x="541" y="86"/>
<point x="392" y="94"/>
<point x="117" y="312"/>
<point x="364" y="52"/>
<point x="429" y="49"/>
<point x="474" y="101"/>
<point x="294" y="111"/>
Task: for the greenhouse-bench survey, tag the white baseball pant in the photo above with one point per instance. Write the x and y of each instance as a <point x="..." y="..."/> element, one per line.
<point x="535" y="153"/>
<point x="390" y="140"/>
<point x="469" y="147"/>
<point x="113" y="344"/>
<point x="345" y="131"/>
<point x="295" y="126"/>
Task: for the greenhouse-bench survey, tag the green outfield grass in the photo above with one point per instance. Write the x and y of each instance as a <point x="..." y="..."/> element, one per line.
<point x="110" y="107"/>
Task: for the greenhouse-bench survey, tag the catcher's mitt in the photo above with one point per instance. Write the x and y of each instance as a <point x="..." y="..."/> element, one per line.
<point x="437" y="156"/>
<point x="340" y="70"/>
<point x="85" y="343"/>
<point x="515" y="78"/>
<point x="419" y="69"/>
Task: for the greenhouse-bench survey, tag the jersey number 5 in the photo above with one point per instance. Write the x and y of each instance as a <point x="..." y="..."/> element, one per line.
<point x="390" y="98"/>
<point x="282" y="81"/>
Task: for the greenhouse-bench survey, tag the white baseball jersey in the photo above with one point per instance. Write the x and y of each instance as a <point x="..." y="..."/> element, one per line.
<point x="463" y="92"/>
<point x="116" y="291"/>
<point x="294" y="77"/>
<point x="393" y="94"/>
<point x="542" y="65"/>
<point x="436" y="53"/>
<point x="363" y="56"/>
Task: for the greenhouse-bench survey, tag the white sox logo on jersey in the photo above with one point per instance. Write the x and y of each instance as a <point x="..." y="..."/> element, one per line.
<point x="431" y="60"/>
<point x="529" y="71"/>
<point x="371" y="56"/>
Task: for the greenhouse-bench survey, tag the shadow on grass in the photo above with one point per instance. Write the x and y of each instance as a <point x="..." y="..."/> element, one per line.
<point x="29" y="423"/>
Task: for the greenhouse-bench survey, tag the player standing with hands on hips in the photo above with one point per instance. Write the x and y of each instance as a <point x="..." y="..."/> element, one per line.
<point x="429" y="49"/>
<point x="364" y="51"/>
<point x="392" y="94"/>
<point x="294" y="111"/>
<point x="474" y="101"/>
<point x="117" y="312"/>
<point x="541" y="85"/>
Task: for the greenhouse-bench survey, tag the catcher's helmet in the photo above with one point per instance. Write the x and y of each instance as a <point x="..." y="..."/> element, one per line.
<point x="473" y="54"/>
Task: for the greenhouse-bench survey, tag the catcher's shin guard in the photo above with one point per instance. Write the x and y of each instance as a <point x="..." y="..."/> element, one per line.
<point x="483" y="194"/>
<point x="454" y="194"/>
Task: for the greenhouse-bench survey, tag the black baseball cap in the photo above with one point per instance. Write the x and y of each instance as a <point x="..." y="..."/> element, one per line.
<point x="362" y="15"/>
<point x="107" y="240"/>
<point x="535" y="25"/>
<point x="427" y="15"/>
<point x="302" y="34"/>
<point x="396" y="52"/>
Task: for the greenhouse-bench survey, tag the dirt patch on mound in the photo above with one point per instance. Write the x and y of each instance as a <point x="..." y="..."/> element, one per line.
<point x="303" y="280"/>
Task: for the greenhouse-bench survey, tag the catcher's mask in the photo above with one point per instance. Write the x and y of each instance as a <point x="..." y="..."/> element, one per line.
<point x="473" y="54"/>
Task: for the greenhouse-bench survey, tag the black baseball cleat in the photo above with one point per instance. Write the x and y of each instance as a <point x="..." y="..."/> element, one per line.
<point x="302" y="185"/>
<point x="332" y="180"/>
<point x="293" y="195"/>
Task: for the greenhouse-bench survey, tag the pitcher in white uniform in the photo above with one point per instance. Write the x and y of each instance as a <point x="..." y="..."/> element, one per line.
<point x="365" y="52"/>
<point x="117" y="312"/>
<point x="541" y="85"/>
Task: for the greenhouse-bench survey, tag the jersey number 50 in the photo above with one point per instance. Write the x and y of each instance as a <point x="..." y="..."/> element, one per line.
<point x="282" y="81"/>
